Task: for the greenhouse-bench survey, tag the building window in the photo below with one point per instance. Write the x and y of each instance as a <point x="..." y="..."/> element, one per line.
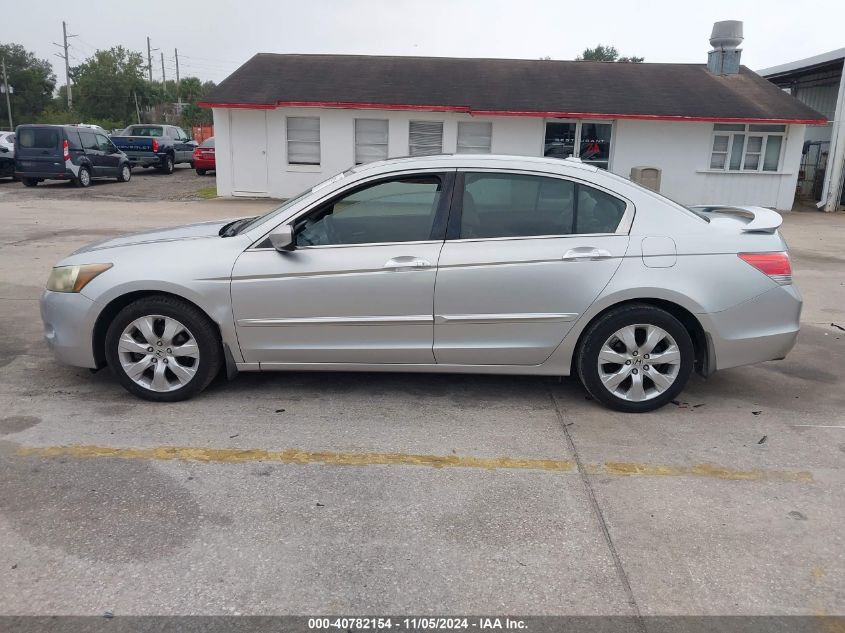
<point x="303" y="140"/>
<point x="425" y="138"/>
<point x="741" y="147"/>
<point x="474" y="137"/>
<point x="586" y="140"/>
<point x="370" y="140"/>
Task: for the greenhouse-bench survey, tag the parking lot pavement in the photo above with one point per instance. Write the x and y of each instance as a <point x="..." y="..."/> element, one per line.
<point x="379" y="493"/>
<point x="145" y="185"/>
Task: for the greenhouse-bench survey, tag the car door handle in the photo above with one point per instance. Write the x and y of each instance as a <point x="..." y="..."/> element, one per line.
<point x="406" y="262"/>
<point x="586" y="254"/>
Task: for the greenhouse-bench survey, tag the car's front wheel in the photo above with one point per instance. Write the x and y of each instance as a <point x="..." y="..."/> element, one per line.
<point x="163" y="349"/>
<point x="635" y="358"/>
<point x="125" y="173"/>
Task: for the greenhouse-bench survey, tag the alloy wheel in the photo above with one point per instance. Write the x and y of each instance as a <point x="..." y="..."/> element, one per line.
<point x="639" y="362"/>
<point x="158" y="353"/>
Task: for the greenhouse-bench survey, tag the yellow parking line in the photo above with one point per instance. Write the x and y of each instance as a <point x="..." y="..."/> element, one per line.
<point x="295" y="456"/>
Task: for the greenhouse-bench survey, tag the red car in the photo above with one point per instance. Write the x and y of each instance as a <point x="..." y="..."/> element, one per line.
<point x="204" y="157"/>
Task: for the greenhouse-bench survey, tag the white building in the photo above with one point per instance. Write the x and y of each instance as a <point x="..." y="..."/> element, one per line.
<point x="819" y="82"/>
<point x="285" y="122"/>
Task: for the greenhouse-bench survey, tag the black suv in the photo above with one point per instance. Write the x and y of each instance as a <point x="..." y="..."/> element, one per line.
<point x="67" y="152"/>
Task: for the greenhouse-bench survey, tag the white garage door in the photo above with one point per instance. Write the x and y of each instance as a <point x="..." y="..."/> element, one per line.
<point x="249" y="152"/>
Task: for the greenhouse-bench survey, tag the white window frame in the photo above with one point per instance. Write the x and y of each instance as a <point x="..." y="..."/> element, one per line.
<point x="386" y="143"/>
<point x="577" y="146"/>
<point x="475" y="149"/>
<point x="442" y="135"/>
<point x="288" y="141"/>
<point x="747" y="132"/>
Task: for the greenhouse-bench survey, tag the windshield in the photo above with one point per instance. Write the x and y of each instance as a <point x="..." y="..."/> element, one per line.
<point x="290" y="202"/>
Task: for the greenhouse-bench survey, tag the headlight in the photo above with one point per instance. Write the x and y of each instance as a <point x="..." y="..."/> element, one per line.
<point x="74" y="278"/>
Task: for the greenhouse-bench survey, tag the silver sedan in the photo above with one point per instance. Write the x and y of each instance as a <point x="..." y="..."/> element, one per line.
<point x="485" y="264"/>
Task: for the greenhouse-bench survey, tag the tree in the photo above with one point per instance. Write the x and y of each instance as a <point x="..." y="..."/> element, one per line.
<point x="602" y="53"/>
<point x="32" y="80"/>
<point x="193" y="90"/>
<point x="106" y="83"/>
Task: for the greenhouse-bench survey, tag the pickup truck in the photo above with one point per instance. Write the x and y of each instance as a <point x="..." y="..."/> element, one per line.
<point x="156" y="145"/>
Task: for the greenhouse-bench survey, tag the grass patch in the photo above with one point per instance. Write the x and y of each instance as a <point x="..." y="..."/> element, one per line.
<point x="207" y="193"/>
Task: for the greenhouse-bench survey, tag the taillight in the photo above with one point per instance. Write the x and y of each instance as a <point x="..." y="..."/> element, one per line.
<point x="155" y="145"/>
<point x="196" y="153"/>
<point x="775" y="265"/>
<point x="65" y="150"/>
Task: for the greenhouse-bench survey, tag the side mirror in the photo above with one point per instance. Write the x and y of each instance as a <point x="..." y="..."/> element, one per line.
<point x="282" y="238"/>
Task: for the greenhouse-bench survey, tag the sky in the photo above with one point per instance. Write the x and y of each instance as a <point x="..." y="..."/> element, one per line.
<point x="214" y="37"/>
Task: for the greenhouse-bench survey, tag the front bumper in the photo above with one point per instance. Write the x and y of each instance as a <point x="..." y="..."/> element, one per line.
<point x="763" y="328"/>
<point x="69" y="319"/>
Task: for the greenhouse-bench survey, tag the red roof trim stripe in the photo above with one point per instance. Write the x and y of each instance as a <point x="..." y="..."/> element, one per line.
<point x="526" y="113"/>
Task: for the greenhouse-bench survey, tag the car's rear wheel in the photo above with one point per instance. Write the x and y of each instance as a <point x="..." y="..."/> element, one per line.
<point x="83" y="178"/>
<point x="635" y="358"/>
<point x="125" y="173"/>
<point x="29" y="182"/>
<point x="166" y="164"/>
<point x="200" y="172"/>
<point x="163" y="349"/>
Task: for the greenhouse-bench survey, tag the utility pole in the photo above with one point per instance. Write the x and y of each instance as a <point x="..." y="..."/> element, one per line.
<point x="178" y="95"/>
<point x="149" y="59"/>
<point x="163" y="78"/>
<point x="6" y="89"/>
<point x="64" y="45"/>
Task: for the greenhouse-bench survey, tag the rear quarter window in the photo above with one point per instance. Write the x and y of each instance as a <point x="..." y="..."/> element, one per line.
<point x="38" y="138"/>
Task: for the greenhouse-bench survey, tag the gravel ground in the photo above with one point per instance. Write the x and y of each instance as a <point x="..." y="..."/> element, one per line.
<point x="146" y="185"/>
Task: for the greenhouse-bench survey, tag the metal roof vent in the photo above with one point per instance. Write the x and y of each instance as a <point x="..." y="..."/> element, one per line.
<point x="725" y="56"/>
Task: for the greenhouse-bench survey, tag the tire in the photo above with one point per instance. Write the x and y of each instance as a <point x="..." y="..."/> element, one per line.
<point x="83" y="178"/>
<point x="124" y="173"/>
<point x="644" y="386"/>
<point x="191" y="164"/>
<point x="167" y="166"/>
<point x="200" y="172"/>
<point x="29" y="182"/>
<point x="151" y="382"/>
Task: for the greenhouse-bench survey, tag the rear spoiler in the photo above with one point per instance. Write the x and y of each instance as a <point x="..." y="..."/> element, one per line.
<point x="763" y="220"/>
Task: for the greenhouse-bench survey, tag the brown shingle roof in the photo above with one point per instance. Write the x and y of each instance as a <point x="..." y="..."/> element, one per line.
<point x="508" y="86"/>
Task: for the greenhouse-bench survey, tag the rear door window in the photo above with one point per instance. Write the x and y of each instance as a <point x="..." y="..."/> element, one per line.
<point x="73" y="141"/>
<point x="89" y="140"/>
<point x="38" y="138"/>
<point x="522" y="205"/>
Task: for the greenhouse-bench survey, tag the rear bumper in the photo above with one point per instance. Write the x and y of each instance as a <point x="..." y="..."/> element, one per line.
<point x="761" y="329"/>
<point x="142" y="159"/>
<point x="201" y="163"/>
<point x="68" y="327"/>
<point x="67" y="174"/>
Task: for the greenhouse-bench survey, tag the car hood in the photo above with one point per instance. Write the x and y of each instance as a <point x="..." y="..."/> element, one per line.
<point x="187" y="232"/>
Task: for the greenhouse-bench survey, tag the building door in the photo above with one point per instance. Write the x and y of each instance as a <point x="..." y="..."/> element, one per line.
<point x="248" y="133"/>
